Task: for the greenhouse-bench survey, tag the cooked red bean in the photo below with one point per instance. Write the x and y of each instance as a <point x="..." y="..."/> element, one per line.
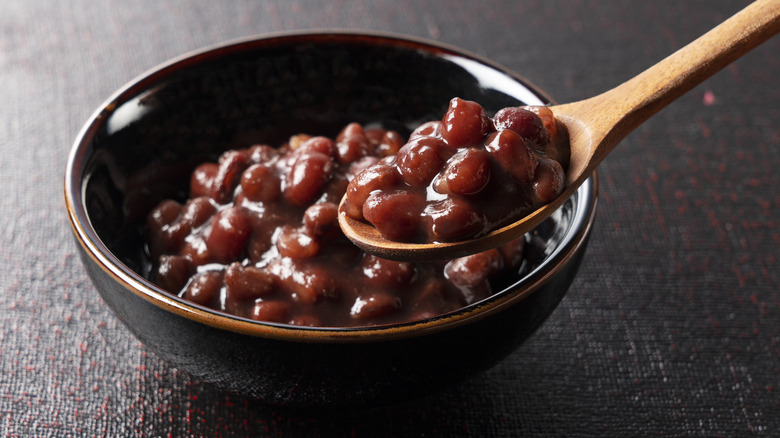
<point x="473" y="269"/>
<point x="271" y="249"/>
<point x="395" y="214"/>
<point x="465" y="123"/>
<point x="271" y="311"/>
<point x="467" y="173"/>
<point x="164" y="214"/>
<point x="526" y="123"/>
<point x="202" y="179"/>
<point x="307" y="178"/>
<point x="382" y="176"/>
<point x="380" y="272"/>
<point x="421" y="159"/>
<point x="427" y="129"/>
<point x="373" y="135"/>
<point x="230" y="230"/>
<point x="198" y="211"/>
<point x="320" y="219"/>
<point x="352" y="144"/>
<point x="228" y="175"/>
<point x="548" y="182"/>
<point x="173" y="272"/>
<point x="388" y="144"/>
<point x="352" y="129"/>
<point x="375" y="305"/>
<point x="158" y="222"/>
<point x="262" y="153"/>
<point x="360" y="165"/>
<point x="196" y="250"/>
<point x="294" y="243"/>
<point x="453" y="218"/>
<point x="306" y="283"/>
<point x="204" y="288"/>
<point x="247" y="282"/>
<point x="512" y="153"/>
<point x="547" y="117"/>
<point x="558" y="149"/>
<point x="297" y="140"/>
<point x="320" y="144"/>
<point x="260" y="184"/>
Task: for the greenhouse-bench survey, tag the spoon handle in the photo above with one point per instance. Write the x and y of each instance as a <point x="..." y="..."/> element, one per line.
<point x="611" y="116"/>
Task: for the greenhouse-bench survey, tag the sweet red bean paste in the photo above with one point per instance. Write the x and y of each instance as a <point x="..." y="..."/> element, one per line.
<point x="259" y="236"/>
<point x="465" y="175"/>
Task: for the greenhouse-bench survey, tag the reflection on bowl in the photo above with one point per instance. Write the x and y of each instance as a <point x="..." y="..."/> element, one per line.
<point x="141" y="145"/>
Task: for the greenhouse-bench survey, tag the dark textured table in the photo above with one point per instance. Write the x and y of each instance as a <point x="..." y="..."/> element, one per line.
<point x="671" y="328"/>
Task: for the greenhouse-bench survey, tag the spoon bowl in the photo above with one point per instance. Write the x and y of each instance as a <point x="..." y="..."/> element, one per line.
<point x="598" y="124"/>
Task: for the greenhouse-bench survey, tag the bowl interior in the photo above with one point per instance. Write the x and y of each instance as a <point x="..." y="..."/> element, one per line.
<point x="141" y="146"/>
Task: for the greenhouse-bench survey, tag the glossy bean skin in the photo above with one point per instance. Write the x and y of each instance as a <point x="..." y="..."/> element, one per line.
<point x="467" y="173"/>
<point x="558" y="148"/>
<point x="230" y="230"/>
<point x="202" y="179"/>
<point x="512" y="154"/>
<point x="352" y="144"/>
<point x="375" y="305"/>
<point x="385" y="143"/>
<point x="420" y="160"/>
<point x="247" y="282"/>
<point x="295" y="243"/>
<point x="228" y="175"/>
<point x="526" y="123"/>
<point x="548" y="181"/>
<point x="307" y="178"/>
<point x="271" y="311"/>
<point x="259" y="236"/>
<point x="465" y="123"/>
<point x="474" y="269"/>
<point x="174" y="271"/>
<point x="386" y="274"/>
<point x="321" y="219"/>
<point x="395" y="214"/>
<point x="158" y="221"/>
<point x="260" y="184"/>
<point x="380" y="177"/>
<point x="204" y="288"/>
<point x="452" y="219"/>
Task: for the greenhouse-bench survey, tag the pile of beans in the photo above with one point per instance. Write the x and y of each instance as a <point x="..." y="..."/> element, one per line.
<point x="464" y="175"/>
<point x="259" y="238"/>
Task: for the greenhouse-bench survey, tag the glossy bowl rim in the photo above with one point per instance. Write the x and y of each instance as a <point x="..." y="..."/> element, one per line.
<point x="87" y="238"/>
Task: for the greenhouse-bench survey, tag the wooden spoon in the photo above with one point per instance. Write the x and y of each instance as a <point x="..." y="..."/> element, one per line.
<point x="596" y="125"/>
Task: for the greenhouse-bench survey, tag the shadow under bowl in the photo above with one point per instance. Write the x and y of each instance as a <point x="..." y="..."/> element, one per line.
<point x="140" y="146"/>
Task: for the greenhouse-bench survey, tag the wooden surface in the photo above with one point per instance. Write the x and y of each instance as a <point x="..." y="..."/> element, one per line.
<point x="670" y="329"/>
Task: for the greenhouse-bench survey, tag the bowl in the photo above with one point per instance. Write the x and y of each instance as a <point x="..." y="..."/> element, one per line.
<point x="140" y="145"/>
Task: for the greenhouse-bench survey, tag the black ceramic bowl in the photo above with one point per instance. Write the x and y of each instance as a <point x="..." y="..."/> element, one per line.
<point x="140" y="146"/>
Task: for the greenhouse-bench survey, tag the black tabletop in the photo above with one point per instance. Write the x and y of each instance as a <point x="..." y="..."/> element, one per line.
<point x="671" y="327"/>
